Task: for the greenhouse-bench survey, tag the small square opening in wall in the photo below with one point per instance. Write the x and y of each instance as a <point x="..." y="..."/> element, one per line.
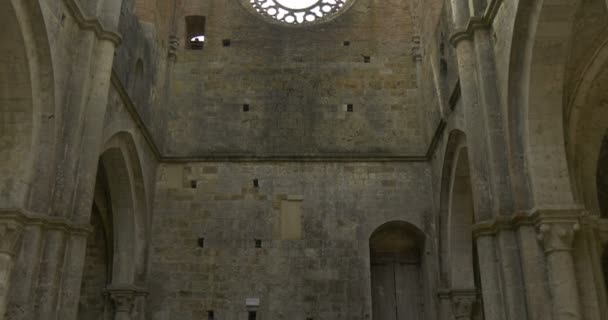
<point x="246" y="107"/>
<point x="226" y="42"/>
<point x="258" y="243"/>
<point x="256" y="183"/>
<point x="253" y="315"/>
<point x="210" y="315"/>
<point x="193" y="184"/>
<point x="346" y="43"/>
<point x="201" y="242"/>
<point x="350" y="107"/>
<point x="367" y="59"/>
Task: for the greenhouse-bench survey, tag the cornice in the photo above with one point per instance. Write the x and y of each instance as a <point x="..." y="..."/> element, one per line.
<point x="26" y="218"/>
<point x="91" y="23"/>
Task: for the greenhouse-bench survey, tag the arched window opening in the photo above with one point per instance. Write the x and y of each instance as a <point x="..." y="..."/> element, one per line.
<point x="602" y="178"/>
<point x="396" y="274"/>
<point x="195" y="32"/>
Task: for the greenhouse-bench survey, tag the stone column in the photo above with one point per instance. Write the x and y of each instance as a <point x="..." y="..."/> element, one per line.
<point x="463" y="304"/>
<point x="557" y="239"/>
<point x="10" y="234"/>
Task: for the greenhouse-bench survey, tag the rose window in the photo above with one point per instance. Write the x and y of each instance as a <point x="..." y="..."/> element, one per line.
<point x="299" y="12"/>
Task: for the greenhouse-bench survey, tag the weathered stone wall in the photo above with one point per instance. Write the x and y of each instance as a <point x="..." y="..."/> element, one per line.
<point x="297" y="83"/>
<point x="314" y="221"/>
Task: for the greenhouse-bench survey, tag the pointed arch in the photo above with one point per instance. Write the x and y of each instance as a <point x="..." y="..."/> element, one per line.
<point x="541" y="42"/>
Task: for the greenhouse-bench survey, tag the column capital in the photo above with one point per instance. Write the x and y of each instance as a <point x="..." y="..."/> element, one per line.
<point x="124" y="297"/>
<point x="10" y="234"/>
<point x="557" y="236"/>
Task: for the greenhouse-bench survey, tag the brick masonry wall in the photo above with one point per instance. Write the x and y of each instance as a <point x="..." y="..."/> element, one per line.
<point x="297" y="83"/>
<point x="314" y="221"/>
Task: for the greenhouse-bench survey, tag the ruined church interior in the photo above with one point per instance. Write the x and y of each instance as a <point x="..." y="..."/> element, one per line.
<point x="303" y="159"/>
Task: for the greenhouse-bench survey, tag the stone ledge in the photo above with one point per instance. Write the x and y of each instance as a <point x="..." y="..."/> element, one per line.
<point x="92" y="24"/>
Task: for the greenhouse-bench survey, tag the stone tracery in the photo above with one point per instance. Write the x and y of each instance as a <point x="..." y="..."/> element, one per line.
<point x="298" y="12"/>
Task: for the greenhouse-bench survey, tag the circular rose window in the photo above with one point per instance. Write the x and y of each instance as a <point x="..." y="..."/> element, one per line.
<point x="298" y="12"/>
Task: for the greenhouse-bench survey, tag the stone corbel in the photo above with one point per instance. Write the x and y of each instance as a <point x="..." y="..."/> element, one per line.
<point x="557" y="236"/>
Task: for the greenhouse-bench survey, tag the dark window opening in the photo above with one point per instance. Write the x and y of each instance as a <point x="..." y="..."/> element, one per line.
<point x="258" y="243"/>
<point x="210" y="315"/>
<point x="193" y="184"/>
<point x="195" y="32"/>
<point x="346" y="43"/>
<point x="256" y="183"/>
<point x="226" y="42"/>
<point x="245" y="108"/>
<point x="350" y="108"/>
<point x="201" y="242"/>
<point x="252" y="315"/>
<point x="367" y="59"/>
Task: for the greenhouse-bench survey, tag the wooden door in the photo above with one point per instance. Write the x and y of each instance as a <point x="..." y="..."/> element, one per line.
<point x="396" y="291"/>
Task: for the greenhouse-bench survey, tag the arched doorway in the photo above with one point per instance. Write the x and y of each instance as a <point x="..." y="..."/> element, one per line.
<point x="397" y="286"/>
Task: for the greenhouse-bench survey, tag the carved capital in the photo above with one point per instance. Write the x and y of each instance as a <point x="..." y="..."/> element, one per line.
<point x="124" y="297"/>
<point x="10" y="234"/>
<point x="557" y="236"/>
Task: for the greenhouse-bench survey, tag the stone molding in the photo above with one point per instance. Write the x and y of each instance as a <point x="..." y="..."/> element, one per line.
<point x="92" y="23"/>
<point x="475" y="23"/>
<point x="534" y="218"/>
<point x="25" y="218"/>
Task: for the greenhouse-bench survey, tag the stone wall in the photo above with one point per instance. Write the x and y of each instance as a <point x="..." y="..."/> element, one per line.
<point x="314" y="222"/>
<point x="297" y="83"/>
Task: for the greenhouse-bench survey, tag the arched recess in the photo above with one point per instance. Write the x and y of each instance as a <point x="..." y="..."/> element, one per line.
<point x="129" y="206"/>
<point x="458" y="250"/>
<point x="396" y="272"/>
<point x="120" y="214"/>
<point x="542" y="37"/>
<point x="26" y="107"/>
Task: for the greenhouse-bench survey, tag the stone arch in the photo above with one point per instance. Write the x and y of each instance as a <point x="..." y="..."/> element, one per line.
<point x="396" y="259"/>
<point x="122" y="165"/>
<point x="119" y="215"/>
<point x="540" y="48"/>
<point x="587" y="133"/>
<point x="458" y="254"/>
<point x="27" y="117"/>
